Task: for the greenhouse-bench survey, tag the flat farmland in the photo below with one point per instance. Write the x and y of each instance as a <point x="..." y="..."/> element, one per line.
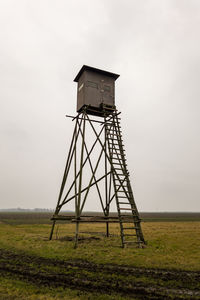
<point x="32" y="267"/>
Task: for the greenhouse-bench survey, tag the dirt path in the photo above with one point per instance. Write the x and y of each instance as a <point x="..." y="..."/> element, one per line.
<point x="140" y="283"/>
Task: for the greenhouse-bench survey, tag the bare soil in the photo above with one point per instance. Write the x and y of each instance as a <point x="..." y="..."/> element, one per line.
<point x="140" y="283"/>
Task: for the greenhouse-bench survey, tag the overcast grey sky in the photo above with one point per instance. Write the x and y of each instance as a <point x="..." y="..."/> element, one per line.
<point x="154" y="45"/>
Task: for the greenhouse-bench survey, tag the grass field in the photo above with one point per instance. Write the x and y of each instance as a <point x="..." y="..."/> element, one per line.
<point x="32" y="267"/>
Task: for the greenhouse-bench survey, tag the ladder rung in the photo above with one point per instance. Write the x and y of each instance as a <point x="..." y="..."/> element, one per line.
<point x="127" y="234"/>
<point x="126" y="228"/>
<point x="113" y="148"/>
<point x="124" y="188"/>
<point x="115" y="132"/>
<point x="111" y="128"/>
<point x="118" y="144"/>
<point x="118" y="132"/>
<point x="123" y="197"/>
<point x="135" y="221"/>
<point x="126" y="175"/>
<point x="121" y="178"/>
<point x="113" y="139"/>
<point x="118" y="158"/>
<point x="126" y="215"/>
<point x="121" y="152"/>
<point x="113" y="144"/>
<point x="123" y="202"/>
<point x="114" y="152"/>
<point x="132" y="242"/>
<point x="122" y="166"/>
<point x="115" y="163"/>
<point x="112" y="135"/>
<point x="118" y="153"/>
<point x="122" y="160"/>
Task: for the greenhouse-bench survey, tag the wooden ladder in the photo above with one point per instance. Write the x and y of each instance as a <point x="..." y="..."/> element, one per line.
<point x="130" y="227"/>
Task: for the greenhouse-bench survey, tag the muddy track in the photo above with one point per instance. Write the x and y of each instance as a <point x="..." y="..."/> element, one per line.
<point x="141" y="283"/>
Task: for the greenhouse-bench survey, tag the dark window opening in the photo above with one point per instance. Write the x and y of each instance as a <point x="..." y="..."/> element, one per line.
<point x="107" y="88"/>
<point x="92" y="84"/>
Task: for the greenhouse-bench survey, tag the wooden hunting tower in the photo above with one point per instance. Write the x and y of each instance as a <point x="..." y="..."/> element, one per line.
<point x="96" y="90"/>
<point x="97" y="159"/>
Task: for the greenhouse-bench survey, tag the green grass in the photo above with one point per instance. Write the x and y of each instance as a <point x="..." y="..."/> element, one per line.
<point x="170" y="245"/>
<point x="12" y="289"/>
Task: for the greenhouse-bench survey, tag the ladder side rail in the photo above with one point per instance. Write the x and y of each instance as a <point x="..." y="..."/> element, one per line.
<point x="136" y="218"/>
<point x="117" y="202"/>
<point x="120" y="163"/>
<point x="111" y="147"/>
<point x="135" y="213"/>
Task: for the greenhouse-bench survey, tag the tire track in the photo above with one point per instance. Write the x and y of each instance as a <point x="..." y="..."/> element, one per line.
<point x="87" y="276"/>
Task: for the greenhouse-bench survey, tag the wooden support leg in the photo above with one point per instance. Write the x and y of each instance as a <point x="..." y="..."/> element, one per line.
<point x="52" y="229"/>
<point x="76" y="235"/>
<point x="107" y="229"/>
